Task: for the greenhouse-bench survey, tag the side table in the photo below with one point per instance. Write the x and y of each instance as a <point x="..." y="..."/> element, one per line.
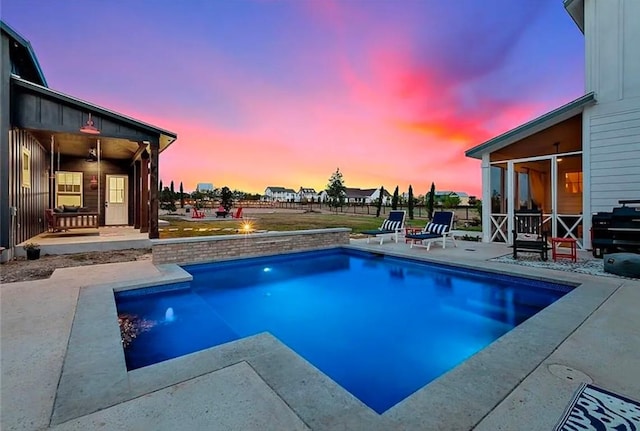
<point x="412" y="230"/>
<point x="570" y="243"/>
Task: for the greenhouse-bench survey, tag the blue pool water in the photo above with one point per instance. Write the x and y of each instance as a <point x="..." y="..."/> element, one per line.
<point x="381" y="327"/>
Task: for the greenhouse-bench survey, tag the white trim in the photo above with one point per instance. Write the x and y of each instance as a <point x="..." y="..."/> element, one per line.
<point x="511" y="199"/>
<point x="56" y="184"/>
<point x="537" y="158"/>
<point x="486" y="198"/>
<point x="25" y="174"/>
<point x="494" y="219"/>
<point x="586" y="179"/>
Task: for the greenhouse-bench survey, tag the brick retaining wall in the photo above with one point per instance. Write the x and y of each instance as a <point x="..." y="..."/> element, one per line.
<point x="210" y="248"/>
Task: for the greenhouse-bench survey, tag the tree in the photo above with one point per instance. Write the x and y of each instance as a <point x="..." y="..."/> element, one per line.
<point x="477" y="204"/>
<point x="410" y="203"/>
<point x="379" y="202"/>
<point x="450" y="201"/>
<point x="160" y="188"/>
<point x="173" y="192"/>
<point x="181" y="195"/>
<point x="430" y="201"/>
<point x="167" y="202"/>
<point x="394" y="199"/>
<point x="197" y="197"/>
<point x="226" y="198"/>
<point x="336" y="189"/>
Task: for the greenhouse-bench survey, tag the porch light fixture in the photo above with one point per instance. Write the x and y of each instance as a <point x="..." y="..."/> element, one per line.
<point x="557" y="144"/>
<point x="92" y="155"/>
<point x="89" y="128"/>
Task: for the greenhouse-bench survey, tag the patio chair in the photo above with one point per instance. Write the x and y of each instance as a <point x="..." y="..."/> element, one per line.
<point x="238" y="213"/>
<point x="438" y="229"/>
<point x="196" y="213"/>
<point x="528" y="235"/>
<point x="392" y="226"/>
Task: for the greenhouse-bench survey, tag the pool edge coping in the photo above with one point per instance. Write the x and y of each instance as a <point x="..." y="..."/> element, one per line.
<point x="265" y="344"/>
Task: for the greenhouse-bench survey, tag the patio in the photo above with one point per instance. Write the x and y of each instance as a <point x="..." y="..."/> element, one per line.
<point x="61" y="370"/>
<point x="105" y="238"/>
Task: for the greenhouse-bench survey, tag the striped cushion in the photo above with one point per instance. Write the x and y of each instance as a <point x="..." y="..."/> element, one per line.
<point x="390" y="225"/>
<point x="436" y="228"/>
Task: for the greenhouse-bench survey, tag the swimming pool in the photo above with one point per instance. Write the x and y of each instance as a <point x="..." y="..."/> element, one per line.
<point x="381" y="327"/>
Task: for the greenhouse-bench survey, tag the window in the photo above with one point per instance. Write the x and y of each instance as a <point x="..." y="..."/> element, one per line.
<point x="573" y="182"/>
<point x="69" y="188"/>
<point x="26" y="168"/>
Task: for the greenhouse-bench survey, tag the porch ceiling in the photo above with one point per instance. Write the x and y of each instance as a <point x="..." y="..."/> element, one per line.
<point x="78" y="145"/>
<point x="534" y="126"/>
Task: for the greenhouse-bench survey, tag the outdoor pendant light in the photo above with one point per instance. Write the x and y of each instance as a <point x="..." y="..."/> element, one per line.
<point x="89" y="128"/>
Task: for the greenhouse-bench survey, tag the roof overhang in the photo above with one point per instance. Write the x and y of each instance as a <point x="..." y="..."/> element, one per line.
<point x="534" y="126"/>
<point x="27" y="51"/>
<point x="575" y="8"/>
<point x="122" y="126"/>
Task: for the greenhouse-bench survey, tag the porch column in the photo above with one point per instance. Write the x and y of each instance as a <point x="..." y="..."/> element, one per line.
<point x="52" y="176"/>
<point x="486" y="197"/>
<point x="511" y="200"/>
<point x="144" y="193"/>
<point x="153" y="198"/>
<point x="136" y="194"/>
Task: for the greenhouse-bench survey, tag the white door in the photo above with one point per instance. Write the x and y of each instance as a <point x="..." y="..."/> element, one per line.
<point x="116" y="204"/>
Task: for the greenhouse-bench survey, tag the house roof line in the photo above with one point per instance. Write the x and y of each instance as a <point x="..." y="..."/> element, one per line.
<point x="27" y="46"/>
<point x="536" y="125"/>
<point x="91" y="107"/>
<point x="575" y="8"/>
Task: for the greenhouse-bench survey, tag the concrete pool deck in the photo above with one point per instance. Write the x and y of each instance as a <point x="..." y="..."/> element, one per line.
<point x="63" y="368"/>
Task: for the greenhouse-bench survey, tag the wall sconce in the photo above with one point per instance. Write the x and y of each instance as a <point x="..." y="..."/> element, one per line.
<point x="94" y="182"/>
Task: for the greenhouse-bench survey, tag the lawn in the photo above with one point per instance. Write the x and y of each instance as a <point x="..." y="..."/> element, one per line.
<point x="272" y="222"/>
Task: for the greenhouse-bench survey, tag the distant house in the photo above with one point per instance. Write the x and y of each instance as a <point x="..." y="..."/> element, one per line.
<point x="57" y="150"/>
<point x="306" y="194"/>
<point x="365" y="196"/>
<point x="204" y="187"/>
<point x="279" y="194"/>
<point x="582" y="157"/>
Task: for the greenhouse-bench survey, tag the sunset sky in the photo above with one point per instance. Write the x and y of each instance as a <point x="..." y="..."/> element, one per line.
<point x="280" y="93"/>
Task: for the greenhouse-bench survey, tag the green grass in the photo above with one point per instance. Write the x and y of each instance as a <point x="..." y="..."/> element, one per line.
<point x="276" y="222"/>
<point x="272" y="222"/>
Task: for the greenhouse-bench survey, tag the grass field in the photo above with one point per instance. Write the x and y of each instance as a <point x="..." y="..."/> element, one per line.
<point x="271" y="222"/>
<point x="278" y="221"/>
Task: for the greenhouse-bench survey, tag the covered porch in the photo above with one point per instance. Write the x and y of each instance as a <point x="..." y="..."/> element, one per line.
<point x="79" y="156"/>
<point x="537" y="166"/>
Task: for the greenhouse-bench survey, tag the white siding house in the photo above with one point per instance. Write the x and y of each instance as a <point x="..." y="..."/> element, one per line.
<point x="279" y="194"/>
<point x="582" y="157"/>
<point x="307" y="194"/>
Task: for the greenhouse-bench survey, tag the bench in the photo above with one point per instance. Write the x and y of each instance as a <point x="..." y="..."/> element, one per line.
<point x="70" y="220"/>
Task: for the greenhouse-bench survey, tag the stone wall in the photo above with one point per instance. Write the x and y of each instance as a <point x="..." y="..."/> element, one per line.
<point x="222" y="247"/>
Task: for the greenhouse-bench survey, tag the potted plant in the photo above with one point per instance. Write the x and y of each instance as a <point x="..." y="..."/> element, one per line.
<point x="33" y="250"/>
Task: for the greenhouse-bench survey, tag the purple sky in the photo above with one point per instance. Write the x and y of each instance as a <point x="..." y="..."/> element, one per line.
<point x="280" y="93"/>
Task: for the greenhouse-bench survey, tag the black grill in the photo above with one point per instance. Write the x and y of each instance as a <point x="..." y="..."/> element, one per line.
<point x="618" y="230"/>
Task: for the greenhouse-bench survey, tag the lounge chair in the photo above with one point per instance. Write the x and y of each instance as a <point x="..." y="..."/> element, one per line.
<point x="238" y="213"/>
<point x="393" y="225"/>
<point x="528" y="235"/>
<point x="197" y="213"/>
<point x="439" y="229"/>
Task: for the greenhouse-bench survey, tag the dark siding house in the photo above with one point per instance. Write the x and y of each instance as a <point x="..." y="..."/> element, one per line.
<point x="58" y="150"/>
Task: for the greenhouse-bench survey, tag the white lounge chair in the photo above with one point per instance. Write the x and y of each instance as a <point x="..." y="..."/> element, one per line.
<point x="439" y="229"/>
<point x="392" y="226"/>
